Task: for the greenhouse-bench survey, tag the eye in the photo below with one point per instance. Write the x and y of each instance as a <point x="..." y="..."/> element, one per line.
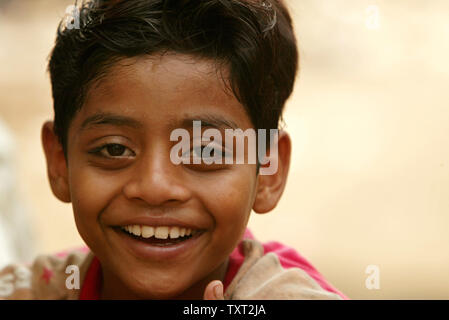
<point x="113" y="150"/>
<point x="205" y="152"/>
<point x="209" y="152"/>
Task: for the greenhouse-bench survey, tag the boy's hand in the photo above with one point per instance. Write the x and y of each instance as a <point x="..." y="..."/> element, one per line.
<point x="214" y="291"/>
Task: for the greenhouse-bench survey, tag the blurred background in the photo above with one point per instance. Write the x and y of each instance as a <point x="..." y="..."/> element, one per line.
<point x="369" y="118"/>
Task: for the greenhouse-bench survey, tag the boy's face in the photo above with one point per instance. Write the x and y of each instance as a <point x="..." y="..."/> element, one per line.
<point x="120" y="174"/>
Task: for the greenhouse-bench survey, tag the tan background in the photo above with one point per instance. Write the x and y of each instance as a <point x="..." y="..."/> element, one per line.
<point x="369" y="117"/>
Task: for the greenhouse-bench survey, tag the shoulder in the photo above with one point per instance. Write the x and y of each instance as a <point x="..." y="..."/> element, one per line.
<point x="47" y="277"/>
<point x="275" y="271"/>
<point x="290" y="258"/>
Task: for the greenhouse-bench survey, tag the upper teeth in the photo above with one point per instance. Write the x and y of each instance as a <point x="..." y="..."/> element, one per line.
<point x="159" y="232"/>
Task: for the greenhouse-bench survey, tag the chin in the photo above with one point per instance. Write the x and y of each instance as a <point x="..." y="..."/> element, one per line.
<point x="158" y="290"/>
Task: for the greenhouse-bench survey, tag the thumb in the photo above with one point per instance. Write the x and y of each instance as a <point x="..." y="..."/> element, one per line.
<point x="214" y="291"/>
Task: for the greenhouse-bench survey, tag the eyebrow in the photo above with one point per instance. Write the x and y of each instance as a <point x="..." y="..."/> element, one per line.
<point x="208" y="120"/>
<point x="99" y="119"/>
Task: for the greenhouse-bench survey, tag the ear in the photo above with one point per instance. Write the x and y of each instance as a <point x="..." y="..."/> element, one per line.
<point x="271" y="187"/>
<point x="56" y="163"/>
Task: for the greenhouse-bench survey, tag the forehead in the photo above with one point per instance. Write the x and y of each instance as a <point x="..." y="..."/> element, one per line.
<point x="161" y="89"/>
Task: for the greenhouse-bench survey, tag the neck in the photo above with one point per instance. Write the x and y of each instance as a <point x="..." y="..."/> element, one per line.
<point x="196" y="292"/>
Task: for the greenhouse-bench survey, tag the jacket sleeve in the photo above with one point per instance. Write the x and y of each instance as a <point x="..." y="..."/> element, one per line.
<point x="262" y="277"/>
<point x="15" y="282"/>
<point x="48" y="277"/>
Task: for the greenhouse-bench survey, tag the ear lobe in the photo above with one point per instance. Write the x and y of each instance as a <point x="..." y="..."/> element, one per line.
<point x="56" y="163"/>
<point x="271" y="187"/>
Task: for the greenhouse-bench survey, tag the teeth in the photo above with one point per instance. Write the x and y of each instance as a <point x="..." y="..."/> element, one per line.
<point x="182" y="232"/>
<point x="174" y="233"/>
<point x="136" y="230"/>
<point x="147" y="231"/>
<point x="161" y="233"/>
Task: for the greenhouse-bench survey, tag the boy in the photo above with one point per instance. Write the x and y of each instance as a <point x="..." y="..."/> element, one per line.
<point x="133" y="73"/>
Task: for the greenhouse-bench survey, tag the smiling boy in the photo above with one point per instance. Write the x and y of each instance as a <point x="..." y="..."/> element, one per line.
<point x="133" y="73"/>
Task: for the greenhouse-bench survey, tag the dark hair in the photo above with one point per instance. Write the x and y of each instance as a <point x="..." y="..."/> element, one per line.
<point x="253" y="38"/>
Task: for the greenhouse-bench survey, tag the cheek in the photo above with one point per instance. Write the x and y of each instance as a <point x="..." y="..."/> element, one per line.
<point x="229" y="200"/>
<point x="90" y="193"/>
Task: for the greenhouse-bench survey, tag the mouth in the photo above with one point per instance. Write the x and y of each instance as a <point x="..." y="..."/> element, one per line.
<point x="160" y="236"/>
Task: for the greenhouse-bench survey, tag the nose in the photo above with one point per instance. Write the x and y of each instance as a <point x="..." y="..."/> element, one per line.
<point x="156" y="181"/>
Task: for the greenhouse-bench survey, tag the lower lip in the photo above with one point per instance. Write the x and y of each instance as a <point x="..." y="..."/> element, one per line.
<point x="157" y="252"/>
